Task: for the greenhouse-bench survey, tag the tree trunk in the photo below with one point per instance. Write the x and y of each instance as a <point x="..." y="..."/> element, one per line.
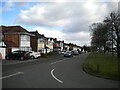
<point x="118" y="43"/>
<point x="118" y="48"/>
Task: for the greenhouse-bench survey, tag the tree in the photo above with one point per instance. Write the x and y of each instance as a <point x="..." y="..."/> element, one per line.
<point x="99" y="36"/>
<point x="107" y="31"/>
<point x="114" y="21"/>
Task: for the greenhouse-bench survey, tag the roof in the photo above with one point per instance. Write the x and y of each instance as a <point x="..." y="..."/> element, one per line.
<point x="10" y="44"/>
<point x="7" y="29"/>
<point x="73" y="45"/>
<point x="37" y="34"/>
<point x="14" y="30"/>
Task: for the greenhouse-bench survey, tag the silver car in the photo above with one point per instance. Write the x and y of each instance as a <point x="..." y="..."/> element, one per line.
<point x="68" y="54"/>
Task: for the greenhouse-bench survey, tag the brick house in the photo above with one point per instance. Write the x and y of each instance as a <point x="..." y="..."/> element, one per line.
<point x="16" y="38"/>
<point x="37" y="42"/>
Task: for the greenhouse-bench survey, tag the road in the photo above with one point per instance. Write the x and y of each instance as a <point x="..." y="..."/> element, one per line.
<point x="59" y="72"/>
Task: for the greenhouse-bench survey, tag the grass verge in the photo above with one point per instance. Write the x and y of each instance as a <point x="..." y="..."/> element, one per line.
<point x="103" y="65"/>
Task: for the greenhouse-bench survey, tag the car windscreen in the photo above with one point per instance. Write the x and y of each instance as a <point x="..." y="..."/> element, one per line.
<point x="15" y="52"/>
<point x="67" y="52"/>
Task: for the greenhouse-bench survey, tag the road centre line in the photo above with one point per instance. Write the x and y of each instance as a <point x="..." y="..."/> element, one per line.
<point x="59" y="61"/>
<point x="55" y="77"/>
<point x="11" y="75"/>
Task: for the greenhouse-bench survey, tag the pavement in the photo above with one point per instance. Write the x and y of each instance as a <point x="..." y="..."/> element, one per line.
<point x="55" y="72"/>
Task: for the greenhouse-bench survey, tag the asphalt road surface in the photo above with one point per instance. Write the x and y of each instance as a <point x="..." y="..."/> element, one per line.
<point x="57" y="72"/>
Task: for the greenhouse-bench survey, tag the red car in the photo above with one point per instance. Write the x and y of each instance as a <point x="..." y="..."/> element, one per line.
<point x="0" y="56"/>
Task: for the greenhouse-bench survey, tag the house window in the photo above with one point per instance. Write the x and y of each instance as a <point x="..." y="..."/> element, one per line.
<point x="25" y="48"/>
<point x="25" y="38"/>
<point x="40" y="41"/>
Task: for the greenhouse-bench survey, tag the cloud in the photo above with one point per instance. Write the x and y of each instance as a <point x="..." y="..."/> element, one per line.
<point x="54" y="33"/>
<point x="69" y="16"/>
<point x="80" y="38"/>
<point x="73" y="17"/>
<point x="21" y="4"/>
<point x="61" y="1"/>
<point x="7" y="6"/>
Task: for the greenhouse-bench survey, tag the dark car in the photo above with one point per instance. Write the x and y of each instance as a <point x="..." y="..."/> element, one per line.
<point x="68" y="54"/>
<point x="22" y="55"/>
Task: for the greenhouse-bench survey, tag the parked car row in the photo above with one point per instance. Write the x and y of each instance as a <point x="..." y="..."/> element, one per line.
<point x="25" y="55"/>
<point x="22" y="55"/>
<point x="71" y="53"/>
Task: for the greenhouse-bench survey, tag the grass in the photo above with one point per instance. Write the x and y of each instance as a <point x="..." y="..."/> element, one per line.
<point x="103" y="65"/>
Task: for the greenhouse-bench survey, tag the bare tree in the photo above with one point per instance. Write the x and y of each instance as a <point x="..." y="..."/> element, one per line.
<point x="114" y="21"/>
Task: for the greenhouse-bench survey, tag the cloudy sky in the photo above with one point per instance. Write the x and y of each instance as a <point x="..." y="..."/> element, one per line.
<point x="67" y="20"/>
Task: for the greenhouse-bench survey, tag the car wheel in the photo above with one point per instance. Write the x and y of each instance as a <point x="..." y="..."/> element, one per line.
<point x="21" y="58"/>
<point x="7" y="58"/>
<point x="32" y="57"/>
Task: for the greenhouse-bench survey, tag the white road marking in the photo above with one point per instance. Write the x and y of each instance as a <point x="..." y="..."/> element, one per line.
<point x="55" y="77"/>
<point x="59" y="61"/>
<point x="11" y="75"/>
<point x="21" y="62"/>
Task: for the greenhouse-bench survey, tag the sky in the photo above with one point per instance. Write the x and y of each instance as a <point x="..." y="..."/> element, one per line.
<point x="67" y="20"/>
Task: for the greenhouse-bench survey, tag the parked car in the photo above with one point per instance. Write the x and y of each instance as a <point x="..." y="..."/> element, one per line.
<point x="42" y="51"/>
<point x="22" y="55"/>
<point x="62" y="52"/>
<point x="68" y="54"/>
<point x="34" y="54"/>
<point x="75" y="52"/>
<point x="0" y="56"/>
